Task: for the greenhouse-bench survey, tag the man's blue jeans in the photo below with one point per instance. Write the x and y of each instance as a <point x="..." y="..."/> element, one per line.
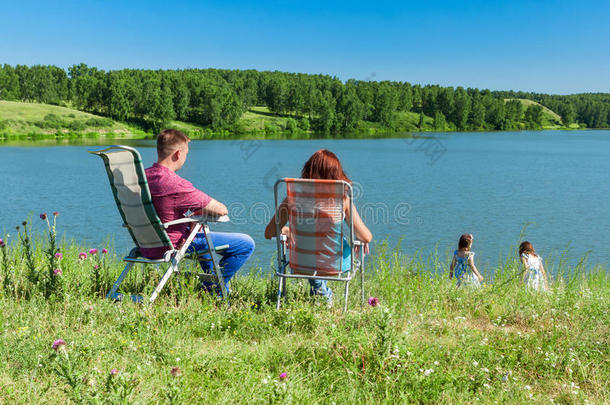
<point x="240" y="249"/>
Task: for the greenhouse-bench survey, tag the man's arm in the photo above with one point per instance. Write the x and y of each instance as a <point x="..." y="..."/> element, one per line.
<point x="215" y="208"/>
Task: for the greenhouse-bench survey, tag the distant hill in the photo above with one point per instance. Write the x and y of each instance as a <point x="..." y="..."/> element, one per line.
<point x="20" y="118"/>
<point x="549" y="118"/>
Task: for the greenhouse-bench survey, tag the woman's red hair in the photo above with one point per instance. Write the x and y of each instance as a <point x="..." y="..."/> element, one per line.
<point x="324" y="165"/>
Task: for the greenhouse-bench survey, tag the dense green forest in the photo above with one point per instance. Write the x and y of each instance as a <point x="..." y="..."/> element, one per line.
<point x="217" y="98"/>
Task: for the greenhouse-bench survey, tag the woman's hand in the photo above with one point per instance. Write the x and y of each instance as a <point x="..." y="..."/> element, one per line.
<point x="286" y="231"/>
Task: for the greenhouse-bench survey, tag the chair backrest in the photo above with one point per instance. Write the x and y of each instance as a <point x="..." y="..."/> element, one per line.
<point x="132" y="196"/>
<point x="317" y="226"/>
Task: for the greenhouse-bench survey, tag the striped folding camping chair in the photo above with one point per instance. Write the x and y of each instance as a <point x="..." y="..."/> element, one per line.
<point x="132" y="196"/>
<point x="320" y="237"/>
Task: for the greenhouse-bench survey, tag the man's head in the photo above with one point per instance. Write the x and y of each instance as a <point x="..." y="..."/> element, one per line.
<point x="172" y="148"/>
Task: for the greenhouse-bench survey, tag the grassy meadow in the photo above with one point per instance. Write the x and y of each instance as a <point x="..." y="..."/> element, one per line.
<point x="35" y="120"/>
<point x="425" y="342"/>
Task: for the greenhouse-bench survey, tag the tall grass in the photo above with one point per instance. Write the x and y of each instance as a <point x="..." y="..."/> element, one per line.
<point x="426" y="342"/>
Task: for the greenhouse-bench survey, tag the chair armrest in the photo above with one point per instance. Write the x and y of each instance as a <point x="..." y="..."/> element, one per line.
<point x="210" y="218"/>
<point x="197" y="218"/>
<point x="178" y="221"/>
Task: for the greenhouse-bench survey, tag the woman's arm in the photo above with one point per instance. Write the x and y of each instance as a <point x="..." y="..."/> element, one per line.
<point x="451" y="267"/>
<point x="282" y="213"/>
<point x="361" y="232"/>
<point x="474" y="268"/>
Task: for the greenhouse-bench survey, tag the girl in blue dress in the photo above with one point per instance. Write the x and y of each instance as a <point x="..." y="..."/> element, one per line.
<point x="462" y="265"/>
<point x="533" y="275"/>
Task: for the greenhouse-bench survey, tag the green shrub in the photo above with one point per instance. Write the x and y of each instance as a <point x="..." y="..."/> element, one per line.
<point x="99" y="122"/>
<point x="304" y="124"/>
<point x="271" y="129"/>
<point x="291" y="126"/>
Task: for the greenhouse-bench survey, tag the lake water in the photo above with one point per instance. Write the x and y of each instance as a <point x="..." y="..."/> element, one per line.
<point x="426" y="191"/>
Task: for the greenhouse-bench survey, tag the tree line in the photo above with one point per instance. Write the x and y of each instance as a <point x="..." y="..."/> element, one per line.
<point x="217" y="98"/>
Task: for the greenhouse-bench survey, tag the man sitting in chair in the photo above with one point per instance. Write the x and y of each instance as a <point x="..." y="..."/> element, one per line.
<point x="173" y="196"/>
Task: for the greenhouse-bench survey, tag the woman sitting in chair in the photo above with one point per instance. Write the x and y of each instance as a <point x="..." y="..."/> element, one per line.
<point x="324" y="165"/>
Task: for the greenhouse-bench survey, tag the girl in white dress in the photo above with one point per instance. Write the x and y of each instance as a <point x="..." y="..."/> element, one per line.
<point x="533" y="275"/>
<point x="463" y="264"/>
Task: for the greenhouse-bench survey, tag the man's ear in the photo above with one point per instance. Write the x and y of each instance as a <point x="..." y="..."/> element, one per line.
<point x="176" y="155"/>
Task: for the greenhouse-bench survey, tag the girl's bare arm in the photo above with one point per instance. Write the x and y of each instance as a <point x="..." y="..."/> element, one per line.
<point x="546" y="281"/>
<point x="474" y="268"/>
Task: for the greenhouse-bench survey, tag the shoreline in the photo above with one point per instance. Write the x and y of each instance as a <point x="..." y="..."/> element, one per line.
<point x="230" y="136"/>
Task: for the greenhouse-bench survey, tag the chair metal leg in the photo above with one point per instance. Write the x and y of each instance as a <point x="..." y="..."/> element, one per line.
<point x="362" y="280"/>
<point x="170" y="270"/>
<point x="346" y="293"/>
<point x="113" y="291"/>
<point x="216" y="268"/>
<point x="281" y="282"/>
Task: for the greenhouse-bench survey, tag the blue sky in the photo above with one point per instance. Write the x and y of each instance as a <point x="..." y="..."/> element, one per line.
<point x="546" y="46"/>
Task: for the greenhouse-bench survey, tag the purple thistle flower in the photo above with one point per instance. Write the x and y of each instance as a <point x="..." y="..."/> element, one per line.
<point x="57" y="272"/>
<point x="1" y="243"/>
<point x="373" y="301"/>
<point x="114" y="371"/>
<point x="104" y="251"/>
<point x="59" y="256"/>
<point x="58" y="344"/>
<point x="43" y="216"/>
<point x="93" y="251"/>
<point x="283" y="376"/>
<point x="96" y="267"/>
<point x="82" y="256"/>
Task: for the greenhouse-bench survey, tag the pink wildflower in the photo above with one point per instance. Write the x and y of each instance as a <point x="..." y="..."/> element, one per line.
<point x="283" y="376"/>
<point x="57" y="272"/>
<point x="59" y="255"/>
<point x="176" y="372"/>
<point x="1" y="243"/>
<point x="93" y="251"/>
<point x="104" y="251"/>
<point x="96" y="267"/>
<point x="373" y="301"/>
<point x="82" y="256"/>
<point x="43" y="216"/>
<point x="58" y="344"/>
<point x="114" y="371"/>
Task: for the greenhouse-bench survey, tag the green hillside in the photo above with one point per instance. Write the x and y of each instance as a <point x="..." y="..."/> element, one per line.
<point x="35" y="119"/>
<point x="550" y="119"/>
